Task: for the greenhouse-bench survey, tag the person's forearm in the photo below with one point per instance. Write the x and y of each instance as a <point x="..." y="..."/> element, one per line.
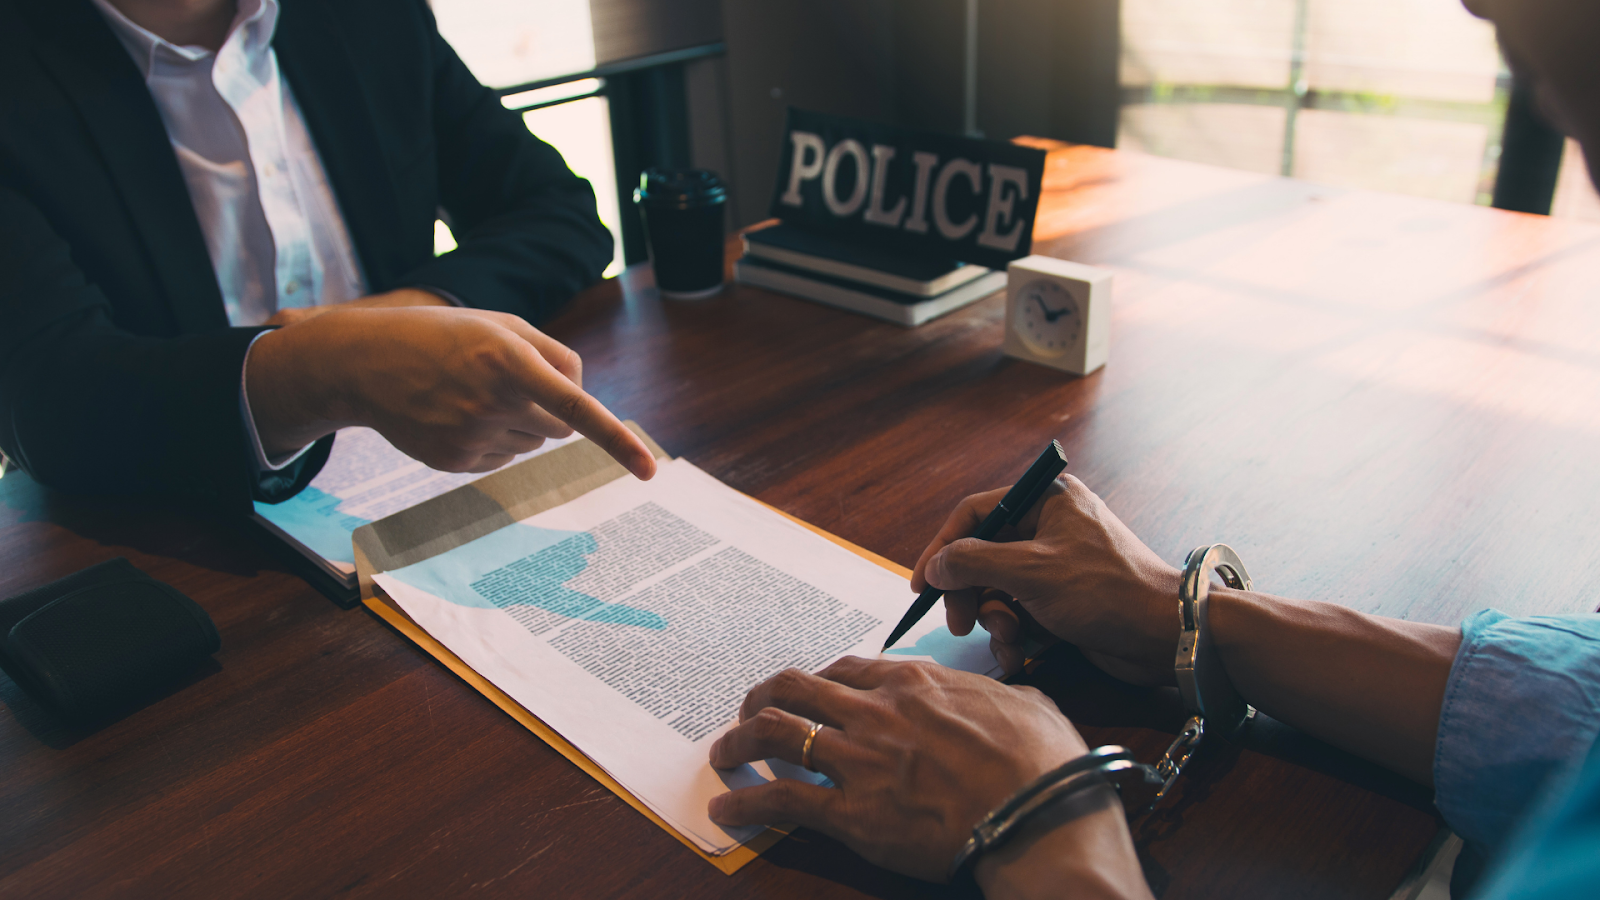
<point x="1370" y="685"/>
<point x="290" y="394"/>
<point x="461" y="390"/>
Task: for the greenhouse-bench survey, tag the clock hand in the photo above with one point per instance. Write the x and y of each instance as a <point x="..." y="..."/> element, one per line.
<point x="1050" y="315"/>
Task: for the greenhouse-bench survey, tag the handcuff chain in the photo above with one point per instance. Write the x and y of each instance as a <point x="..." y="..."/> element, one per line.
<point x="1171" y="764"/>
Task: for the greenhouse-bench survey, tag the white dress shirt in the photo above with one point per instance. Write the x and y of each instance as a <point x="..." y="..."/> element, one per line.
<point x="271" y="223"/>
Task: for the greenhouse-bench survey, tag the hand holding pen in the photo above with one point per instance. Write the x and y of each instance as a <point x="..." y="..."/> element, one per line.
<point x="1070" y="571"/>
<point x="1009" y="510"/>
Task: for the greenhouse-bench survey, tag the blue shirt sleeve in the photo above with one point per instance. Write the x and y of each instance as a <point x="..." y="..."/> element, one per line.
<point x="1554" y="856"/>
<point x="1521" y="709"/>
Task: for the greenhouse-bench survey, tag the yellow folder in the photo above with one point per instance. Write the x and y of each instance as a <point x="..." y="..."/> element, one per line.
<point x="476" y="509"/>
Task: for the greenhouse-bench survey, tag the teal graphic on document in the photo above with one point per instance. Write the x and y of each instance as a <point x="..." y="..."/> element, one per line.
<point x="313" y="517"/>
<point x="947" y="650"/>
<point x="523" y="566"/>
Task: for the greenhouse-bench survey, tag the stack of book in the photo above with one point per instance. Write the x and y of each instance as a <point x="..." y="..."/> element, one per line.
<point x="888" y="286"/>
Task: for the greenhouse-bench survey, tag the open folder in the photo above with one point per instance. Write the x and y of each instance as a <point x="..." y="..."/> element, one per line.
<point x="364" y="479"/>
<point x="622" y="621"/>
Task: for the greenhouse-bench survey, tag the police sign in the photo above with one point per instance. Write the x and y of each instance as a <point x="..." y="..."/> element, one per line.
<point x="919" y="193"/>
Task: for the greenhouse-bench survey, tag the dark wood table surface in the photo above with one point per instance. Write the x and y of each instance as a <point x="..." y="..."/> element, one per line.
<point x="1385" y="402"/>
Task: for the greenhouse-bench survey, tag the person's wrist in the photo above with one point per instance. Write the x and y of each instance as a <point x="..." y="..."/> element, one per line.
<point x="1236" y="619"/>
<point x="1157" y="624"/>
<point x="1078" y="848"/>
<point x="294" y="396"/>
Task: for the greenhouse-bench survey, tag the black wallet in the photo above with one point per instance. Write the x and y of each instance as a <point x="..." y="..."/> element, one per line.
<point x="99" y="641"/>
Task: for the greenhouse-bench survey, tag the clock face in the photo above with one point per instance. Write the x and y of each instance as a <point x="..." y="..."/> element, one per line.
<point x="1047" y="317"/>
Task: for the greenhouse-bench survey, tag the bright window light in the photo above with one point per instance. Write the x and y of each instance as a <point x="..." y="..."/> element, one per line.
<point x="511" y="42"/>
<point x="1390" y="95"/>
<point x="1575" y="194"/>
<point x="443" y="240"/>
<point x="552" y="94"/>
<point x="581" y="131"/>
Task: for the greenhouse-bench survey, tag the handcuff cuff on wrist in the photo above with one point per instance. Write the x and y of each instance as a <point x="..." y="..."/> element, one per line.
<point x="1208" y="695"/>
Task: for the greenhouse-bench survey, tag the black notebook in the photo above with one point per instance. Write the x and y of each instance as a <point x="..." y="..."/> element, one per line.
<point x="858" y="262"/>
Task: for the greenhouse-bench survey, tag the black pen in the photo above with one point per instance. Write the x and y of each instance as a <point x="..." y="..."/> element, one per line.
<point x="1009" y="511"/>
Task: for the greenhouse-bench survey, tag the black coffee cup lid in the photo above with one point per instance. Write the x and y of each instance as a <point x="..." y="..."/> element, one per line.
<point x="680" y="188"/>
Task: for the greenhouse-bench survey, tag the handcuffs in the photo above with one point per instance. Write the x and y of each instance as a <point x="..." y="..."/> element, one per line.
<point x="1213" y="703"/>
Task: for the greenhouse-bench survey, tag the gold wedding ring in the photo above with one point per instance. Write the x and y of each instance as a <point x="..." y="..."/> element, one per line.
<point x="805" y="749"/>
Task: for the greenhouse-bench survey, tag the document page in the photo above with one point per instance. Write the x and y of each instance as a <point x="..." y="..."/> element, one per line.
<point x="633" y="619"/>
<point x="365" y="479"/>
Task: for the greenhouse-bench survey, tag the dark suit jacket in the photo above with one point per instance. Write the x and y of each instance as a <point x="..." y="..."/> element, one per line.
<point x="118" y="370"/>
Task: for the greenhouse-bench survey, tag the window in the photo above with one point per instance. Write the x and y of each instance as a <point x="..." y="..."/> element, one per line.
<point x="512" y="42"/>
<point x="1394" y="95"/>
<point x="581" y="130"/>
<point x="604" y="82"/>
<point x="508" y="43"/>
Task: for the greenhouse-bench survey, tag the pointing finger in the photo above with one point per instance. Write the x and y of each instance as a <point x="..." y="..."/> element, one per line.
<point x="539" y="381"/>
<point x="563" y="358"/>
<point x="535" y="420"/>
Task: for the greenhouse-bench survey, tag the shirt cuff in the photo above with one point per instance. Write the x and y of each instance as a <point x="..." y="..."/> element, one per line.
<point x="262" y="463"/>
<point x="1520" y="709"/>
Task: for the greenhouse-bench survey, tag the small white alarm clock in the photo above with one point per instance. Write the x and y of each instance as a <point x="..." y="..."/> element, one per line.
<point x="1058" y="314"/>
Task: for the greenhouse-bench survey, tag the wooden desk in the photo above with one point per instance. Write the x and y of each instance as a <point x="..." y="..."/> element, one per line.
<point x="1385" y="402"/>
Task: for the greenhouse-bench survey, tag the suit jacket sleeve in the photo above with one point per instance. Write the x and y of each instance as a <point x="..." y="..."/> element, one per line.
<point x="87" y="406"/>
<point x="528" y="234"/>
